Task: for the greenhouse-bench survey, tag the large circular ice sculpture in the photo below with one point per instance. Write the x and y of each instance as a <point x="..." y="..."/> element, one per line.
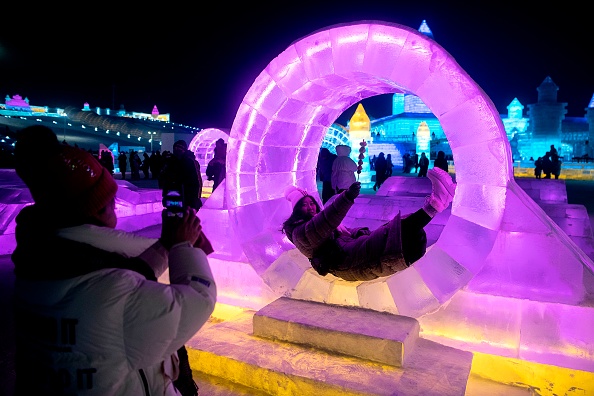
<point x="279" y="127"/>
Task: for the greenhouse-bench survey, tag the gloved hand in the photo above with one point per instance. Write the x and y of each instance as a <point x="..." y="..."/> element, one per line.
<point x="362" y="231"/>
<point x="353" y="191"/>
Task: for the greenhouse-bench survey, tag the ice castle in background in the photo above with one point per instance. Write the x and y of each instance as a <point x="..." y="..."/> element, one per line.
<point x="530" y="136"/>
<point x="413" y="128"/>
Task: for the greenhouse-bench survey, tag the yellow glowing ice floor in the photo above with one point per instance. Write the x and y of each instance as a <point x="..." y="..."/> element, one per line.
<point x="489" y="375"/>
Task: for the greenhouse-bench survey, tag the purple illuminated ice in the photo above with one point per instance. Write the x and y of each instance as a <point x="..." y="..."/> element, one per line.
<point x="497" y="241"/>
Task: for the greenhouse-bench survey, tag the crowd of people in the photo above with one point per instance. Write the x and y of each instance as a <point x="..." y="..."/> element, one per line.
<point x="149" y="165"/>
<point x="173" y="169"/>
<point x="337" y="176"/>
<point x="549" y="165"/>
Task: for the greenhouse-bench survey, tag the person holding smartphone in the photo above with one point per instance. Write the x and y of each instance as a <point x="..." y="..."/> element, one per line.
<point x="90" y="315"/>
<point x="181" y="173"/>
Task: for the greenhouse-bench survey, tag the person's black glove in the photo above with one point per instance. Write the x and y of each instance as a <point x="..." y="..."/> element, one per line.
<point x="362" y="231"/>
<point x="353" y="191"/>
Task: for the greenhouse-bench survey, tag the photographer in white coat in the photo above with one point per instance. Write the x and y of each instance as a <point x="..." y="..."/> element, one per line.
<point x="90" y="317"/>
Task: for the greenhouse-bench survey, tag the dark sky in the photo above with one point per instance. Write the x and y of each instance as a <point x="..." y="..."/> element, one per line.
<point x="197" y="63"/>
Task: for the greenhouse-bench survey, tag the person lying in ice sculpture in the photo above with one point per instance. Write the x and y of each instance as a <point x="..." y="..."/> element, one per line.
<point x="359" y="254"/>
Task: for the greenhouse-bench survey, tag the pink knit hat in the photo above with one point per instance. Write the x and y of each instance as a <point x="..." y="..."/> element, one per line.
<point x="294" y="194"/>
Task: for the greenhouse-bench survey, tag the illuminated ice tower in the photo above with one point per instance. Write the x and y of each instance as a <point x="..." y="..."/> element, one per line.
<point x="546" y="119"/>
<point x="359" y="129"/>
<point x="423" y="139"/>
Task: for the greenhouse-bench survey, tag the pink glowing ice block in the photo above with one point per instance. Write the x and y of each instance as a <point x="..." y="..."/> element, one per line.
<point x="496" y="240"/>
<point x="282" y="119"/>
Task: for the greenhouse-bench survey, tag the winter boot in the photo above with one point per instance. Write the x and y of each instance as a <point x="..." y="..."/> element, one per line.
<point x="443" y="189"/>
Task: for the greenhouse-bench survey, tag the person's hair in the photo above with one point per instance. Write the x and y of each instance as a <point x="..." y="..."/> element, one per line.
<point x="181" y="144"/>
<point x="34" y="146"/>
<point x="297" y="215"/>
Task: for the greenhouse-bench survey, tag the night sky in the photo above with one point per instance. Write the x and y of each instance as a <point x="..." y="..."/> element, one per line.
<point x="197" y="63"/>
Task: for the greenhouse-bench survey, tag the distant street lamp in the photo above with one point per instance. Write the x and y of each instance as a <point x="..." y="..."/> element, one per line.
<point x="151" y="135"/>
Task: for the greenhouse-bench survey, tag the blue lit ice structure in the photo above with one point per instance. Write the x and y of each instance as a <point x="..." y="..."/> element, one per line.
<point x="336" y="135"/>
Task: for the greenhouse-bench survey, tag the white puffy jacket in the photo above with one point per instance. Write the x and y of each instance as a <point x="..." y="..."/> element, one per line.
<point x="112" y="331"/>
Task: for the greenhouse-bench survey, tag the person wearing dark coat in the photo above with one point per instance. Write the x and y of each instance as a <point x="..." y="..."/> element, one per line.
<point x="547" y="165"/>
<point x="325" y="161"/>
<point x="538" y="168"/>
<point x="423" y="165"/>
<point x="216" y="170"/>
<point x="106" y="159"/>
<point x="123" y="164"/>
<point x="156" y="164"/>
<point x="380" y="171"/>
<point x="359" y="254"/>
<point x="441" y="161"/>
<point x="389" y="166"/>
<point x="555" y="165"/>
<point x="146" y="165"/>
<point x="181" y="173"/>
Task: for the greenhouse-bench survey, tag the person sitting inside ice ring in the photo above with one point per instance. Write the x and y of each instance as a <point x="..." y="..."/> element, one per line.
<point x="359" y="254"/>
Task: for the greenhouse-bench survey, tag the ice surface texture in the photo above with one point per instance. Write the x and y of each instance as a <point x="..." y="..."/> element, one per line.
<point x="276" y="135"/>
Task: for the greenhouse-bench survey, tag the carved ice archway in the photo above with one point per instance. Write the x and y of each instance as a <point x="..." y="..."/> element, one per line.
<point x="281" y="122"/>
<point x="203" y="145"/>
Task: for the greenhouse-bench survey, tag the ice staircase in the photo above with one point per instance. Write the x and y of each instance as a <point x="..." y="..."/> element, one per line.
<point x="294" y="347"/>
<point x="386" y="148"/>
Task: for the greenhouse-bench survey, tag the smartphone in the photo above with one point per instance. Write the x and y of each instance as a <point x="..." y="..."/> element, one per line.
<point x="173" y="202"/>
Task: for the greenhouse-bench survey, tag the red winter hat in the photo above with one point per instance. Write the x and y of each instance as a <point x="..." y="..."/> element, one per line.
<point x="78" y="183"/>
<point x="61" y="176"/>
<point x="81" y="182"/>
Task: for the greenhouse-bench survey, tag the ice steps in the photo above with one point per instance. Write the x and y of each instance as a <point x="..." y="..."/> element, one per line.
<point x="376" y="336"/>
<point x="294" y="347"/>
